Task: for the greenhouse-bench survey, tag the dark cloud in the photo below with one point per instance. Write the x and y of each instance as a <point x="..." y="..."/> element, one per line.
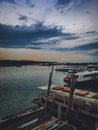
<point x="95" y="53"/>
<point x="69" y="9"/>
<point x="63" y="2"/>
<point x="86" y="47"/>
<point x="78" y="5"/>
<point x="11" y="1"/>
<point x="35" y="35"/>
<point x="23" y="17"/>
<point x="87" y="12"/>
<point x="50" y="42"/>
<point x="89" y="46"/>
<point x="34" y="47"/>
<point x="62" y="49"/>
<point x="28" y="2"/>
<point x="92" y="32"/>
<point x="71" y="37"/>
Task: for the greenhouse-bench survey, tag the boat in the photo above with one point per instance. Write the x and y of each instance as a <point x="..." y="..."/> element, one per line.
<point x="67" y="69"/>
<point x="84" y="78"/>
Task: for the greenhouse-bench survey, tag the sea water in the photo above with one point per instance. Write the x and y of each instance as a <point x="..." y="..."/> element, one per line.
<point x="19" y="86"/>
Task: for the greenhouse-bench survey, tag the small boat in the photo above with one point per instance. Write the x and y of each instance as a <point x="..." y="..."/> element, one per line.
<point x="85" y="77"/>
<point x="67" y="69"/>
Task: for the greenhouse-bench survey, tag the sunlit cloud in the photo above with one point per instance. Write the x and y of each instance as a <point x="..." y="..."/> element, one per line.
<point x="29" y="54"/>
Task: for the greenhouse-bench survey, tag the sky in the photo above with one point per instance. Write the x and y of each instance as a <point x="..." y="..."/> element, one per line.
<point x="49" y="30"/>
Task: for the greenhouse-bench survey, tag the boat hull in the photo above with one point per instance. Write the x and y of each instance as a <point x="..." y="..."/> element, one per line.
<point x="90" y="83"/>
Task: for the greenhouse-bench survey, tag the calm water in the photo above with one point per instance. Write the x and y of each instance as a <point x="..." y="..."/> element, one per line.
<point x="19" y="86"/>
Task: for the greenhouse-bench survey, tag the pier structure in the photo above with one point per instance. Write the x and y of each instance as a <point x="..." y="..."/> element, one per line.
<point x="83" y="101"/>
<point x="83" y="113"/>
<point x="84" y="104"/>
<point x="33" y="119"/>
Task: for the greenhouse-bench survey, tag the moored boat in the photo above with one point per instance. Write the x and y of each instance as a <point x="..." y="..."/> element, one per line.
<point x="84" y="78"/>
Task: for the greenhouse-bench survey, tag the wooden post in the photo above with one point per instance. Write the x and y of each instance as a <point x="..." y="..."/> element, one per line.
<point x="73" y="80"/>
<point x="59" y="111"/>
<point x="49" y="86"/>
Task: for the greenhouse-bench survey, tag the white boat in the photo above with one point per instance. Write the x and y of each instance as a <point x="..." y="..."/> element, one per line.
<point x="67" y="69"/>
<point x="85" y="77"/>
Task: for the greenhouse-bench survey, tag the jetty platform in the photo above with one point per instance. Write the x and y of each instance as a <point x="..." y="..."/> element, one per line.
<point x="85" y="102"/>
<point x="33" y="119"/>
<point x="84" y="105"/>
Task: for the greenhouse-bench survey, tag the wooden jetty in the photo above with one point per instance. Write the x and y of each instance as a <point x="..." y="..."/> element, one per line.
<point x="84" y="104"/>
<point x="13" y="121"/>
<point x="83" y="101"/>
<point x="32" y="119"/>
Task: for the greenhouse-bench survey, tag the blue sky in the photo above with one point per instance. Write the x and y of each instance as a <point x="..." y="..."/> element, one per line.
<point x="53" y="30"/>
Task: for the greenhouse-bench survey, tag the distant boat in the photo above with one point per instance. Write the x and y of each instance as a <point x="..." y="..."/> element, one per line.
<point x="67" y="69"/>
<point x="18" y="65"/>
<point x="85" y="77"/>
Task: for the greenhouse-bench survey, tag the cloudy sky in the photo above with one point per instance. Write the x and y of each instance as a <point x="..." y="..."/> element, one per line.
<point x="49" y="30"/>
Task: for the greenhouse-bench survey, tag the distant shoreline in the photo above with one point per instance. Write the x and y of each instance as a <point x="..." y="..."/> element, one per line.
<point x="6" y="63"/>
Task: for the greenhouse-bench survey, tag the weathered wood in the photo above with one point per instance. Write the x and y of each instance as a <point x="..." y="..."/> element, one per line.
<point x="49" y="86"/>
<point x="73" y="80"/>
